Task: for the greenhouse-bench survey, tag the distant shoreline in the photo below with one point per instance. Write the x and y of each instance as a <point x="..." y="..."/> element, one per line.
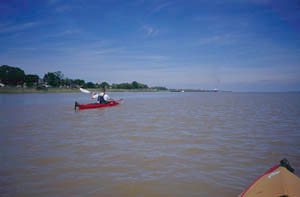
<point x="14" y="90"/>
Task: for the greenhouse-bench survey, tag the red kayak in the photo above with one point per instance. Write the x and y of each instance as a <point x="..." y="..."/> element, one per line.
<point x="97" y="105"/>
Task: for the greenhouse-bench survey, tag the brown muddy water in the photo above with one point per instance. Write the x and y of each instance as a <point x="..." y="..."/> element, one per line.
<point x="155" y="144"/>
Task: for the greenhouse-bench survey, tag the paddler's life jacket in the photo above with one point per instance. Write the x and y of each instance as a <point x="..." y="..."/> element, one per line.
<point x="101" y="100"/>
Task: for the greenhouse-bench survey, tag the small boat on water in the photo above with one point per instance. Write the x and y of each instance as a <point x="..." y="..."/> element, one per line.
<point x="97" y="105"/>
<point x="279" y="181"/>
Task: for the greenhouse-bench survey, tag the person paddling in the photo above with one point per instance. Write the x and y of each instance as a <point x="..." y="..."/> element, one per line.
<point x="102" y="97"/>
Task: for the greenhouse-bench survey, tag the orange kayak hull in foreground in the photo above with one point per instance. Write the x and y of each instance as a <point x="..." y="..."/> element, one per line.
<point x="276" y="182"/>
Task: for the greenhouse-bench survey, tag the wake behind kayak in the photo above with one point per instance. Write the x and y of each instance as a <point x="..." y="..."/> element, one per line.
<point x="97" y="105"/>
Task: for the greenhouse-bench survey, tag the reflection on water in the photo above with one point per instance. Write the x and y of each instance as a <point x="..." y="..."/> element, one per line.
<point x="155" y="144"/>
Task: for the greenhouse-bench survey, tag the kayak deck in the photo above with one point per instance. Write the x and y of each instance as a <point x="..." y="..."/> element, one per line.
<point x="279" y="181"/>
<point x="96" y="105"/>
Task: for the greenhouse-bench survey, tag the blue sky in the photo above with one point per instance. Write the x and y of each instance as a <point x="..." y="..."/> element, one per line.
<point x="239" y="45"/>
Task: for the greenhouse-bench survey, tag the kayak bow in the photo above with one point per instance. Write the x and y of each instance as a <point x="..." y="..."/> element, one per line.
<point x="279" y="181"/>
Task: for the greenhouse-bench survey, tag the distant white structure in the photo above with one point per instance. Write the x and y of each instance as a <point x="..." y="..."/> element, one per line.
<point x="2" y="85"/>
<point x="182" y="90"/>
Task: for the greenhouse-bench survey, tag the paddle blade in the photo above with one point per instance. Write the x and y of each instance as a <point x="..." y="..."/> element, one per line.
<point x="84" y="91"/>
<point x="121" y="101"/>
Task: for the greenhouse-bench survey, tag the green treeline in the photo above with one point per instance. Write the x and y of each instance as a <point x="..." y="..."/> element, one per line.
<point x="14" y="76"/>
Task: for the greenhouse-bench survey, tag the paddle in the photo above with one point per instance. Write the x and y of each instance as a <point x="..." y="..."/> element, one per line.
<point x="87" y="92"/>
<point x="84" y="91"/>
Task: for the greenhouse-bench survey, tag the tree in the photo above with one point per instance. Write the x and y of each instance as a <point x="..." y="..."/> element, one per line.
<point x="142" y="86"/>
<point x="31" y="80"/>
<point x="89" y="85"/>
<point x="59" y="75"/>
<point x="159" y="88"/>
<point x="67" y="82"/>
<point x="11" y="75"/>
<point x="114" y="86"/>
<point x="135" y="85"/>
<point x="104" y="85"/>
<point x="79" y="82"/>
<point x="124" y="86"/>
<point x="53" y="79"/>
